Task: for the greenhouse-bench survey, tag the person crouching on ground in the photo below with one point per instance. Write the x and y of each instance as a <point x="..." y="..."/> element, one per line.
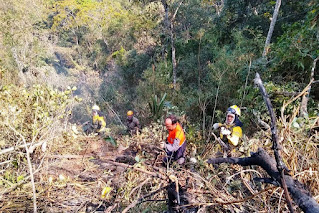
<point x="230" y="131"/>
<point x="132" y="123"/>
<point x="98" y="122"/>
<point x="175" y="144"/>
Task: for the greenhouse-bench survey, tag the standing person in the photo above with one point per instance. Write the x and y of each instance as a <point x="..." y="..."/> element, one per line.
<point x="230" y="131"/>
<point x="132" y="123"/>
<point x="175" y="145"/>
<point x="98" y="122"/>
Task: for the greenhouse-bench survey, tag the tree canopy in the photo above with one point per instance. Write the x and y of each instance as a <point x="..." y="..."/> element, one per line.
<point x="193" y="58"/>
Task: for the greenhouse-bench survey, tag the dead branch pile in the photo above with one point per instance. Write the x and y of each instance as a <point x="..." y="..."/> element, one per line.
<point x="87" y="174"/>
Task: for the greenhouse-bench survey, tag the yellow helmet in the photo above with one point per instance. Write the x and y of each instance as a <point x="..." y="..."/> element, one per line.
<point x="234" y="109"/>
<point x="129" y="113"/>
<point x="96" y="107"/>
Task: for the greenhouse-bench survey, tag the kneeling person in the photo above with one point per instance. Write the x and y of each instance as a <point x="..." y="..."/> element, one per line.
<point x="98" y="122"/>
<point x="132" y="123"/>
<point x="230" y="131"/>
<point x="175" y="145"/>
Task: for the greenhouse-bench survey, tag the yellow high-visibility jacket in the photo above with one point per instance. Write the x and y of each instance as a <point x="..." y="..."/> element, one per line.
<point x="235" y="136"/>
<point x="99" y="122"/>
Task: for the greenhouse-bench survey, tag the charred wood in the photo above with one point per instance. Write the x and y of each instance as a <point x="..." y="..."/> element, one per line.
<point x="261" y="158"/>
<point x="178" y="200"/>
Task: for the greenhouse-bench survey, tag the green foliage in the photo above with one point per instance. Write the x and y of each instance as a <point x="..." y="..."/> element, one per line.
<point x="296" y="49"/>
<point x="74" y="13"/>
<point x="192" y="134"/>
<point x="123" y="40"/>
<point x="31" y="115"/>
<point x="38" y="105"/>
<point x="111" y="140"/>
<point x="126" y="48"/>
<point x="21" y="41"/>
<point x="133" y="65"/>
<point x="155" y="81"/>
<point x="156" y="106"/>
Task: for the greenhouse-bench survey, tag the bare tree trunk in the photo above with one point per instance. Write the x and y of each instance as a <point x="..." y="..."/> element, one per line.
<point x="203" y="106"/>
<point x="215" y="104"/>
<point x="165" y="5"/>
<point x="241" y="103"/>
<point x="198" y="61"/>
<point x="170" y="25"/>
<point x="32" y="178"/>
<point x="271" y="27"/>
<point x="166" y="25"/>
<point x="305" y="97"/>
<point x="174" y="64"/>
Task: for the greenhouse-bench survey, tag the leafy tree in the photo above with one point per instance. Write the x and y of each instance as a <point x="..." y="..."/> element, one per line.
<point x="21" y="41"/>
<point x="74" y="16"/>
<point x="296" y="49"/>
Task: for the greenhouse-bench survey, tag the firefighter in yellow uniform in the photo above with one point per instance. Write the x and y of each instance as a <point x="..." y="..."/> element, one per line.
<point x="98" y="122"/>
<point x="230" y="131"/>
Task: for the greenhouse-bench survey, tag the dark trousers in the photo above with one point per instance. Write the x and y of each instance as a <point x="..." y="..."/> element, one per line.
<point x="174" y="156"/>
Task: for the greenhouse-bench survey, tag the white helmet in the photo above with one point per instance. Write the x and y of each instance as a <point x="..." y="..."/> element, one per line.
<point x="96" y="107"/>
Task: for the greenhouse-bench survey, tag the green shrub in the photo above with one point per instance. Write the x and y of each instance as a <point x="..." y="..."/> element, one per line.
<point x="32" y="116"/>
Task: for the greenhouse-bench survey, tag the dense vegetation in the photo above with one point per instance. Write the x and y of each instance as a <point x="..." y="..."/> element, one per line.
<point x="59" y="57"/>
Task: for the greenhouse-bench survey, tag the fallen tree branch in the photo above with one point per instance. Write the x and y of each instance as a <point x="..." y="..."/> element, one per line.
<point x="102" y="164"/>
<point x="139" y="186"/>
<point x="110" y="208"/>
<point x="153" y="193"/>
<point x="295" y="98"/>
<point x="10" y="149"/>
<point x="4" y="162"/>
<point x="260" y="121"/>
<point x="29" y="166"/>
<point x="276" y="146"/>
<point x="284" y="93"/>
<point x="12" y="188"/>
<point x="261" y="158"/>
<point x="130" y="206"/>
<point x="229" y="202"/>
<point x="153" y="200"/>
<point x="142" y="199"/>
<point x="68" y="156"/>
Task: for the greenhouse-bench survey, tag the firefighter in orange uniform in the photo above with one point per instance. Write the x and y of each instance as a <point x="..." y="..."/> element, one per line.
<point x="175" y="144"/>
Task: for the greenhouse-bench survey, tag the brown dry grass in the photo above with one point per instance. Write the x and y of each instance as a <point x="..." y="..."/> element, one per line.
<point x="72" y="177"/>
